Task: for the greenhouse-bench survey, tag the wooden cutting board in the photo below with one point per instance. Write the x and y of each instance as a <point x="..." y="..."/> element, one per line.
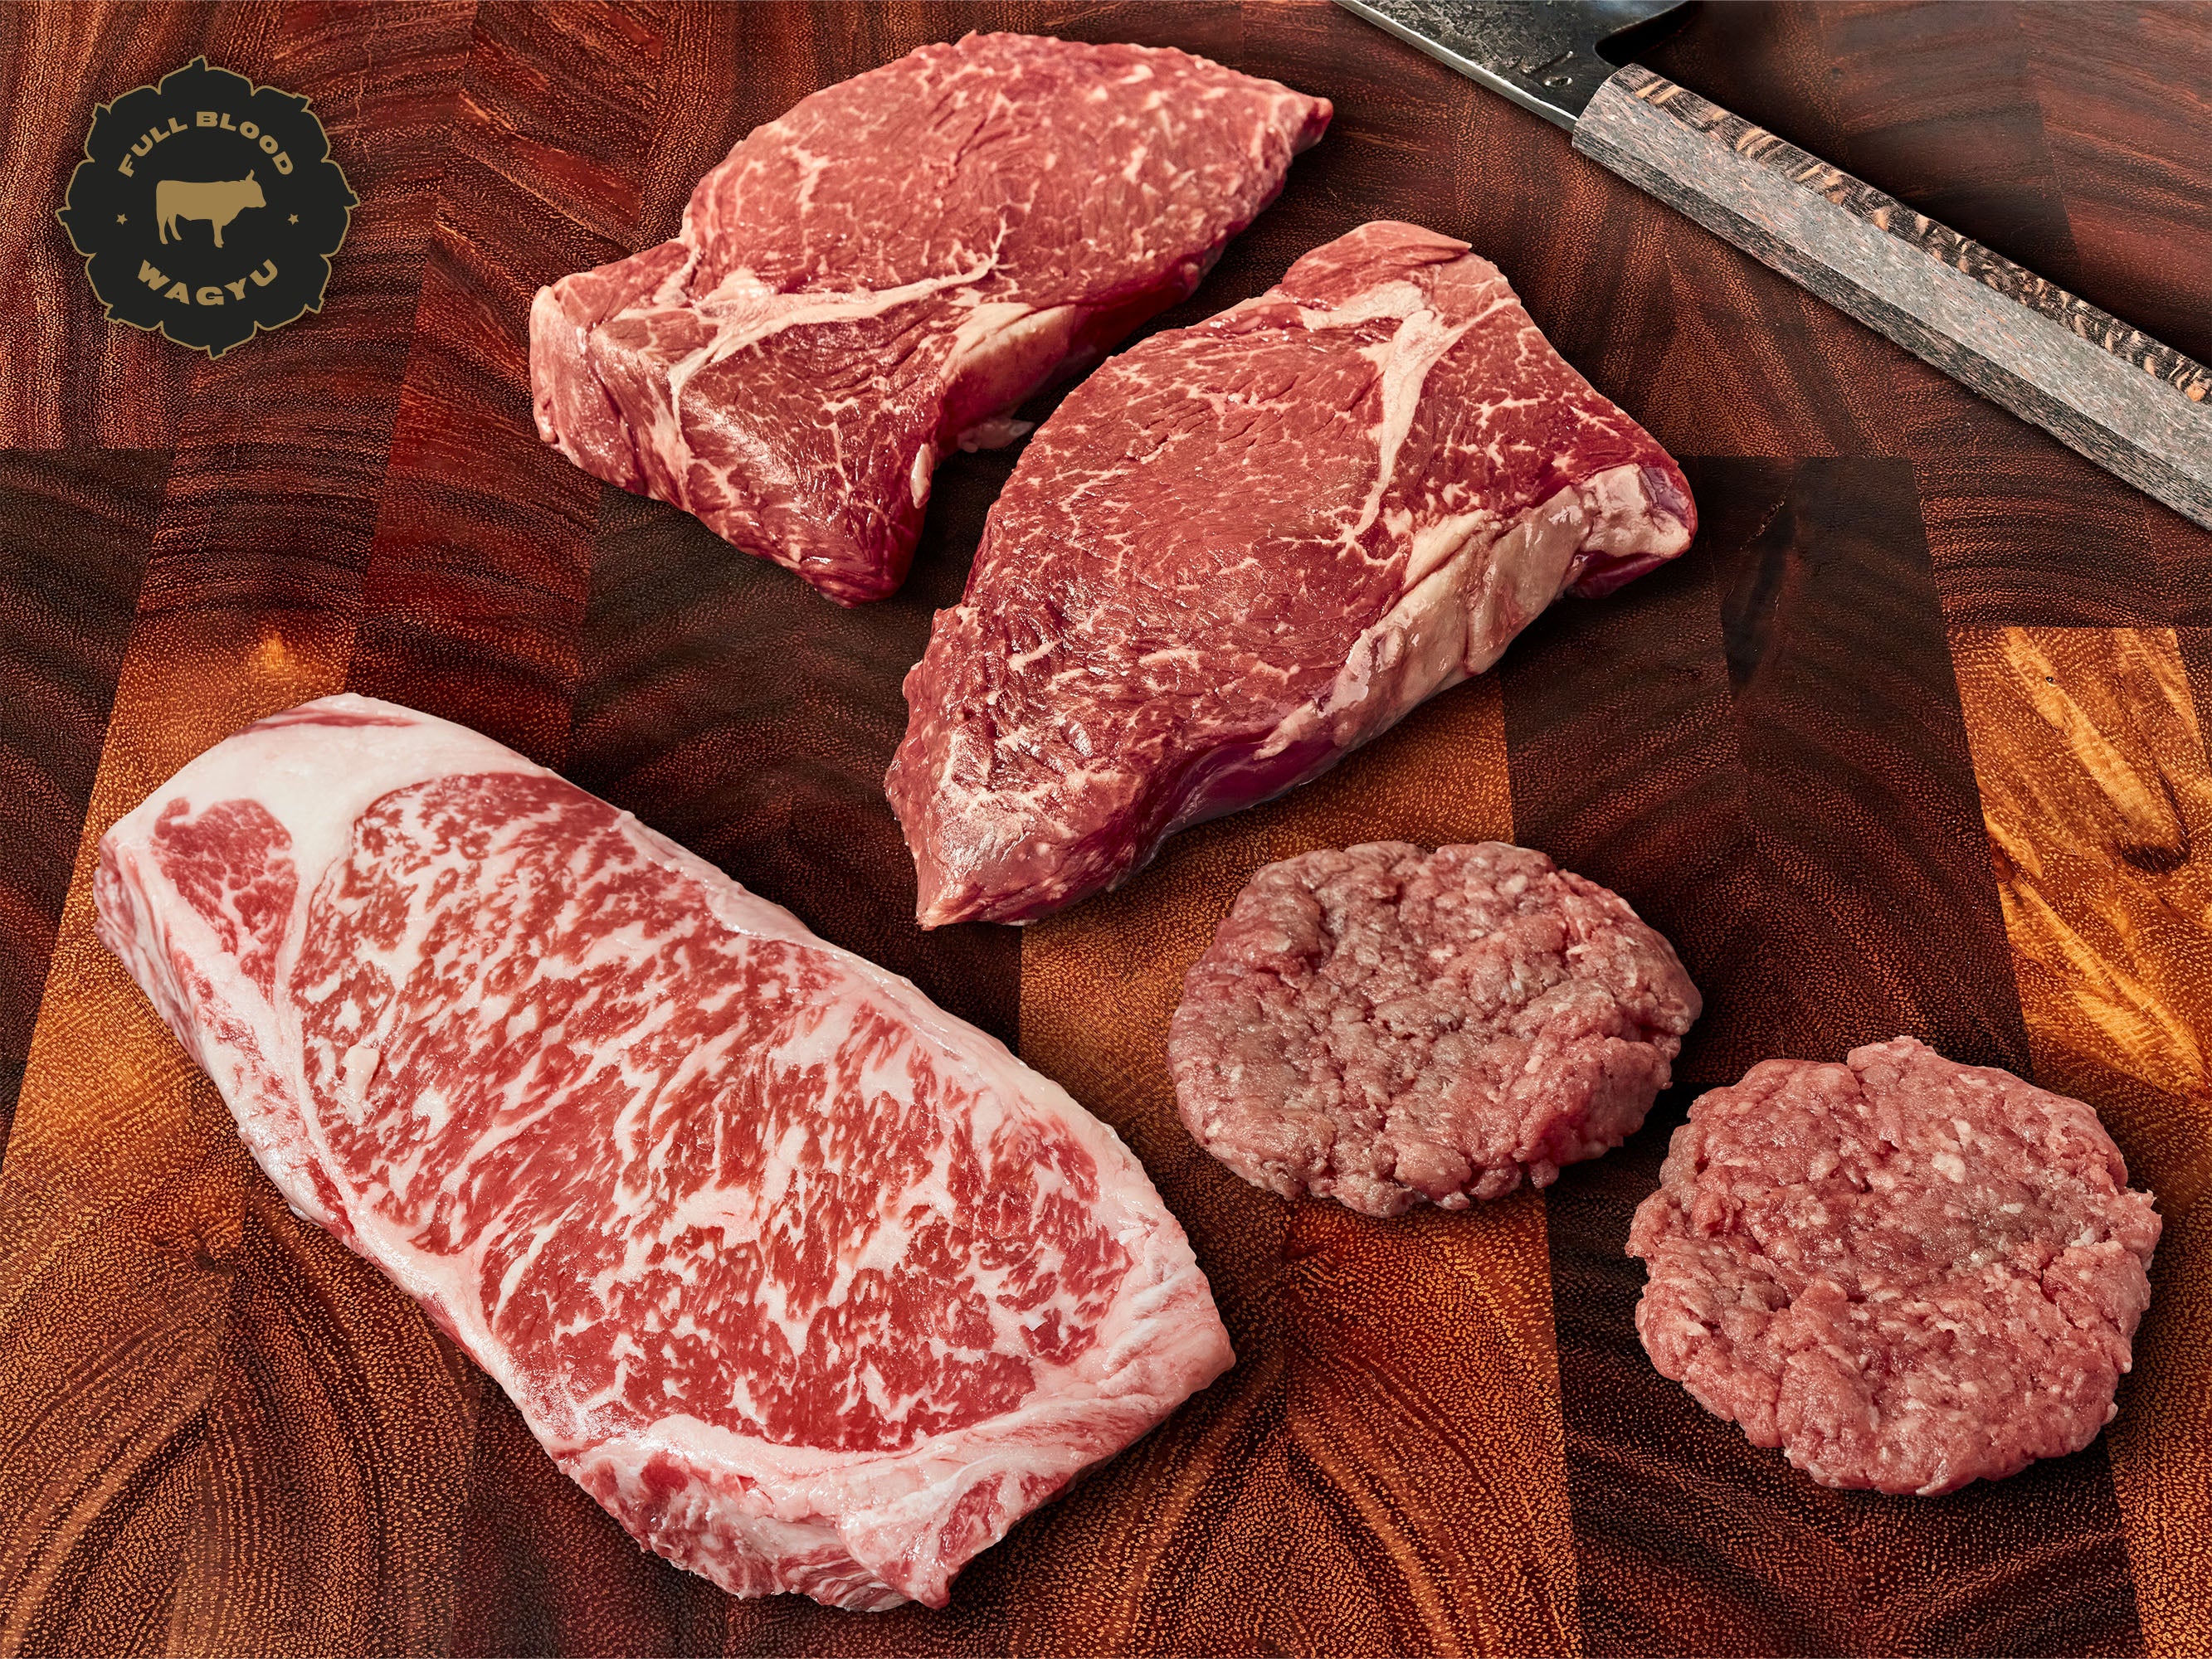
<point x="1913" y="740"/>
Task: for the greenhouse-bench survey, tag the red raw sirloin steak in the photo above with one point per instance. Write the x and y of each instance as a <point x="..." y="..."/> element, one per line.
<point x="1239" y="551"/>
<point x="814" y="1286"/>
<point x="887" y="271"/>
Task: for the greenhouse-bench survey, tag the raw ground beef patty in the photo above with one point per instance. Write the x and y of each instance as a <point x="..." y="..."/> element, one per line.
<point x="1907" y="1272"/>
<point x="1382" y="1025"/>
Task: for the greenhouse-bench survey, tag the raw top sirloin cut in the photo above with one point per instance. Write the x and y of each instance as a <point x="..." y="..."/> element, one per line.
<point x="885" y="273"/>
<point x="814" y="1286"/>
<point x="1241" y="549"/>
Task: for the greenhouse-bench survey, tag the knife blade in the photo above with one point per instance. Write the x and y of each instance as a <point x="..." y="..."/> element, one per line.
<point x="2136" y="407"/>
<point x="1543" y="57"/>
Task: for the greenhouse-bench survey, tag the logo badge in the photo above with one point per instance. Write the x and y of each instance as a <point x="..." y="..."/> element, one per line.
<point x="207" y="207"/>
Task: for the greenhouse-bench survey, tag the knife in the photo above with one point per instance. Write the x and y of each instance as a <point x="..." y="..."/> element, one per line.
<point x="2136" y="408"/>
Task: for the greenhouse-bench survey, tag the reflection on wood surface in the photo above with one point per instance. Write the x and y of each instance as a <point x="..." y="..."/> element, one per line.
<point x="2099" y="804"/>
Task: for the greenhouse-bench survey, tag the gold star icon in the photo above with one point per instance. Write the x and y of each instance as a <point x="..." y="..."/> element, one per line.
<point x="121" y="220"/>
<point x="295" y="218"/>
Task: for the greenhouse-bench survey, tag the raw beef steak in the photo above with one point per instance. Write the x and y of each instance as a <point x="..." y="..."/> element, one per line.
<point x="888" y="271"/>
<point x="813" y="1286"/>
<point x="1907" y="1272"/>
<point x="1387" y="1027"/>
<point x="1241" y="549"/>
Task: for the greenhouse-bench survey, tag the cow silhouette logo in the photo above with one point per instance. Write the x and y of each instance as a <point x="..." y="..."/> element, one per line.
<point x="208" y="208"/>
<point x="218" y="203"/>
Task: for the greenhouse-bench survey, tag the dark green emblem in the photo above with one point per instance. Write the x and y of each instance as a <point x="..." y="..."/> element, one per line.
<point x="207" y="207"/>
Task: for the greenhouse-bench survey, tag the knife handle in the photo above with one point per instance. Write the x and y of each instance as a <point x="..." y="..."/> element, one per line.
<point x="2135" y="407"/>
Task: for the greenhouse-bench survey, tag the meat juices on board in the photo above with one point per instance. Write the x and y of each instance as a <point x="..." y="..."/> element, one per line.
<point x="814" y="1286"/>
<point x="1907" y="1272"/>
<point x="1387" y="1027"/>
<point x="886" y="272"/>
<point x="1241" y="549"/>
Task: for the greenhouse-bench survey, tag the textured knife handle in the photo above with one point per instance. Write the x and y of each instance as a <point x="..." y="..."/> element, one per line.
<point x="2135" y="407"/>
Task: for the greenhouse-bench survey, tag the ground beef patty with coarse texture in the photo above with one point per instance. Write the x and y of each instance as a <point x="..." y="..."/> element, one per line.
<point x="1381" y="1026"/>
<point x="1907" y="1272"/>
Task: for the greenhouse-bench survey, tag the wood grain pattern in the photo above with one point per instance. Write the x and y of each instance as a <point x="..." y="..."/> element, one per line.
<point x="205" y="1413"/>
<point x="2098" y="799"/>
<point x="1762" y="748"/>
<point x="1387" y="1373"/>
<point x="228" y="1434"/>
<point x="82" y="382"/>
<point x="69" y="583"/>
<point x="2127" y="151"/>
<point x="480" y="566"/>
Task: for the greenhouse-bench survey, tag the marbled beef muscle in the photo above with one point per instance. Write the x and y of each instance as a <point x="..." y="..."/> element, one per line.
<point x="815" y="1287"/>
<point x="1241" y="549"/>
<point x="886" y="272"/>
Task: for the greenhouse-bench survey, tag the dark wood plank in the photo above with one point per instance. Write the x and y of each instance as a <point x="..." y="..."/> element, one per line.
<point x="2126" y="108"/>
<point x="473" y="602"/>
<point x="71" y="379"/>
<point x="1763" y="749"/>
<point x="70" y="571"/>
<point x="1859" y="785"/>
<point x="193" y="1380"/>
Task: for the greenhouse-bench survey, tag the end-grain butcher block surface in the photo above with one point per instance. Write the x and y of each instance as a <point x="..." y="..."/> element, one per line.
<point x="1241" y="549"/>
<point x="1907" y="1272"/>
<point x="1388" y="1027"/>
<point x="815" y="1287"/>
<point x="888" y="270"/>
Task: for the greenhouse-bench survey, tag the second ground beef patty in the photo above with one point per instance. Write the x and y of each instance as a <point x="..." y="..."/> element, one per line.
<point x="1384" y="1026"/>
<point x="1907" y="1272"/>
